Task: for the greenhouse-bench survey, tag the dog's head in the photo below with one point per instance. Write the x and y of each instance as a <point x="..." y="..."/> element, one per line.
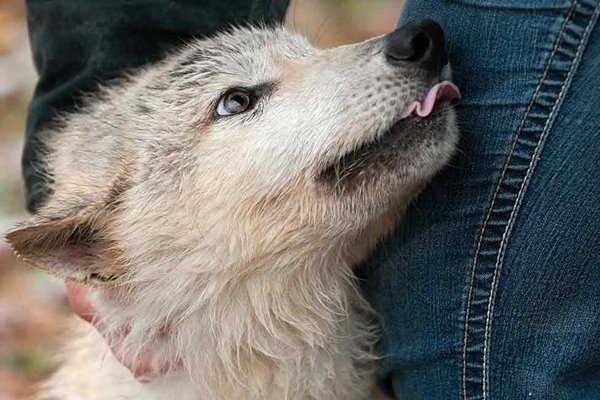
<point x="246" y="137"/>
<point x="242" y="149"/>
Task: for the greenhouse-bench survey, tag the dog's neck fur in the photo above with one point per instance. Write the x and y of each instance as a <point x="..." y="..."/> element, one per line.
<point x="246" y="335"/>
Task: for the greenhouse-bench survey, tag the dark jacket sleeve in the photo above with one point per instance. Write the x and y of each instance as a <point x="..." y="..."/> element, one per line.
<point x="78" y="43"/>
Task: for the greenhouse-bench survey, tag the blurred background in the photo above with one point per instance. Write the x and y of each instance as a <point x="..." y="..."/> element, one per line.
<point x="33" y="306"/>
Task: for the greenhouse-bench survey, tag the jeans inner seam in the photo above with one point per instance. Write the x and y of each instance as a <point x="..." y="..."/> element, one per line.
<point x="525" y="183"/>
<point x="493" y="202"/>
<point x="508" y="229"/>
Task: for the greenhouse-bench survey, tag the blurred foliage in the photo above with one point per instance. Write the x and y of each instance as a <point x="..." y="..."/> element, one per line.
<point x="334" y="22"/>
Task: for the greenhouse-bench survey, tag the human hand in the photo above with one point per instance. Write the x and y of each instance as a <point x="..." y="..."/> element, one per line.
<point x="141" y="366"/>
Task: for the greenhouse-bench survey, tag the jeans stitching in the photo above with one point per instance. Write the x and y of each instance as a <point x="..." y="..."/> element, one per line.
<point x="523" y="188"/>
<point x="496" y="192"/>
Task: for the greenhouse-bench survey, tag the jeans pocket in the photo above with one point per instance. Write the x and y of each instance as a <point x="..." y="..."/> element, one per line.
<point x="519" y="4"/>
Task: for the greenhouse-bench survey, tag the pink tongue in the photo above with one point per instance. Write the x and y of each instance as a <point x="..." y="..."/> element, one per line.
<point x="442" y="92"/>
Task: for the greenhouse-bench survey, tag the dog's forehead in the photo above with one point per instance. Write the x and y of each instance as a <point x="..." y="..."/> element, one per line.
<point x="251" y="53"/>
<point x="267" y="42"/>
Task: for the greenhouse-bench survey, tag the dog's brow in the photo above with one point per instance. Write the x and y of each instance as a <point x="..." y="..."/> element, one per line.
<point x="191" y="65"/>
<point x="265" y="88"/>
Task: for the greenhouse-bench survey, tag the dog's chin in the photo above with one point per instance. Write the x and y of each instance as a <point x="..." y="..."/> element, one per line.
<point x="394" y="152"/>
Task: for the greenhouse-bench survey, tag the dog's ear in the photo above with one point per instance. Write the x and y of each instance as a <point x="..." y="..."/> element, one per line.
<point x="73" y="246"/>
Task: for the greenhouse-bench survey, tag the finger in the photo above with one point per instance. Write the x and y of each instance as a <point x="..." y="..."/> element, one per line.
<point x="140" y="366"/>
<point x="78" y="300"/>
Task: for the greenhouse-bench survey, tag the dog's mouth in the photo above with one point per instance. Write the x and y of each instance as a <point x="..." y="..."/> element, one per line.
<point x="442" y="93"/>
<point x="414" y="118"/>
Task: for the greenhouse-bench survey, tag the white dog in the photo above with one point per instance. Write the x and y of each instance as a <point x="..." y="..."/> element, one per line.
<point x="218" y="200"/>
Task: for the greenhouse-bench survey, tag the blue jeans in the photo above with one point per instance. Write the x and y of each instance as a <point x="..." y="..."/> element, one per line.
<point x="490" y="288"/>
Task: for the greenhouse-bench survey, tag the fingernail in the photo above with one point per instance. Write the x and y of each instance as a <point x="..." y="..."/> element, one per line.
<point x="144" y="379"/>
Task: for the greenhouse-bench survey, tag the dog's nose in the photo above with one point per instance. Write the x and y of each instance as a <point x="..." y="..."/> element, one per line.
<point x="421" y="42"/>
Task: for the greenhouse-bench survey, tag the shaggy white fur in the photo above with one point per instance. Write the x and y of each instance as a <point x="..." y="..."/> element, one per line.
<point x="226" y="244"/>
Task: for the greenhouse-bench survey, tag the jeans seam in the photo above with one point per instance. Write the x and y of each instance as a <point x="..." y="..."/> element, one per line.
<point x="495" y="195"/>
<point x="530" y="170"/>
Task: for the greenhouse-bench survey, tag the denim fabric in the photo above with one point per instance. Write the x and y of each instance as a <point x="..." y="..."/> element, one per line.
<point x="490" y="288"/>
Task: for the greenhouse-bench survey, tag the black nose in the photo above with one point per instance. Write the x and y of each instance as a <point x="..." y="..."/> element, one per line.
<point x="421" y="42"/>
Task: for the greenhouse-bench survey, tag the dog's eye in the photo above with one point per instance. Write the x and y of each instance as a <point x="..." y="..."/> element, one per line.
<point x="234" y="102"/>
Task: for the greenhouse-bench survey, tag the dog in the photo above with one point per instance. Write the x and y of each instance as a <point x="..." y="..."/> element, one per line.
<point x="217" y="202"/>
